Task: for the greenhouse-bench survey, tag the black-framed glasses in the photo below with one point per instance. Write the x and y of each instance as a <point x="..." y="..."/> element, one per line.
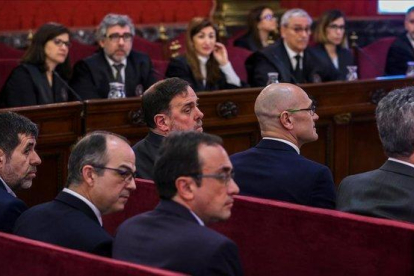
<point x="268" y="17"/>
<point x="127" y="175"/>
<point x="336" y="27"/>
<point x="115" y="37"/>
<point x="299" y="30"/>
<point x="311" y="109"/>
<point x="223" y="177"/>
<point x="59" y="42"/>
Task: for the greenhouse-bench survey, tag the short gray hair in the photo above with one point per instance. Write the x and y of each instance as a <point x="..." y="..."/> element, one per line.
<point x="284" y="21"/>
<point x="111" y="20"/>
<point x="395" y="122"/>
<point x="410" y="10"/>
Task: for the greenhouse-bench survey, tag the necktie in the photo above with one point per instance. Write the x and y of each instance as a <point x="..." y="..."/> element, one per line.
<point x="298" y="71"/>
<point x="118" y="76"/>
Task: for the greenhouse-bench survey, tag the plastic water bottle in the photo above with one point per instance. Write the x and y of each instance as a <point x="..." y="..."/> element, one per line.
<point x="410" y="69"/>
<point x="116" y="90"/>
<point x="352" y="73"/>
<point x="272" y="77"/>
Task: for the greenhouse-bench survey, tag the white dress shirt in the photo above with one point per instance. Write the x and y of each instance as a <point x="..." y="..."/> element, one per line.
<point x="93" y="207"/>
<point x="227" y="69"/>
<point x="111" y="64"/>
<point x="292" y="55"/>
<point x="7" y="188"/>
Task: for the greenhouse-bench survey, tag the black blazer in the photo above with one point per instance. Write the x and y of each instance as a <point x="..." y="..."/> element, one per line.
<point x="10" y="209"/>
<point x="385" y="193"/>
<point x="146" y="151"/>
<point x="247" y="41"/>
<point x="274" y="170"/>
<point x="26" y="86"/>
<point x="179" y="67"/>
<point x="66" y="221"/>
<point x="274" y="58"/>
<point x="400" y="52"/>
<point x="92" y="75"/>
<point x="345" y="59"/>
<point x="169" y="237"/>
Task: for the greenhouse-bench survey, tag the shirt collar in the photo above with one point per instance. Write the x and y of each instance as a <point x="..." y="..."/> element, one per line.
<point x="197" y="218"/>
<point x="111" y="62"/>
<point x="203" y="60"/>
<point x="401" y="162"/>
<point x="9" y="191"/>
<point x="290" y="52"/>
<point x="410" y="39"/>
<point x="93" y="207"/>
<point x="284" y="141"/>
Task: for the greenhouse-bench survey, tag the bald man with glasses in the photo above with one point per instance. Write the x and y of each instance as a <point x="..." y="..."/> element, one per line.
<point x="115" y="62"/>
<point x="290" y="56"/>
<point x="274" y="168"/>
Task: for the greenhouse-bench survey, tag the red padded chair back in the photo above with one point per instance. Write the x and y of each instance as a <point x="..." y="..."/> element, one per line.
<point x="160" y="67"/>
<point x="237" y="57"/>
<point x="80" y="51"/>
<point x="372" y="58"/>
<point x="153" y="49"/>
<point x="10" y="52"/>
<point x="6" y="67"/>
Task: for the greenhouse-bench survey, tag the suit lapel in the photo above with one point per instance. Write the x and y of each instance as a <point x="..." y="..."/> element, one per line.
<point x="130" y="78"/>
<point x="408" y="46"/>
<point x="280" y="60"/>
<point x="78" y="204"/>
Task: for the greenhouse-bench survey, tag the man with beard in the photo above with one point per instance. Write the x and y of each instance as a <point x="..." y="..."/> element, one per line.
<point x="290" y="57"/>
<point x="168" y="105"/>
<point x="115" y="62"/>
<point x="18" y="161"/>
<point x="100" y="180"/>
<point x="402" y="50"/>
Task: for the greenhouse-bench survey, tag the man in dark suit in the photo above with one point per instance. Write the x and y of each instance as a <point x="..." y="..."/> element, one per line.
<point x="289" y="57"/>
<point x="115" y="62"/>
<point x="100" y="179"/>
<point x="274" y="168"/>
<point x="18" y="161"/>
<point x="387" y="192"/>
<point x="168" y="105"/>
<point x="402" y="50"/>
<point x="194" y="180"/>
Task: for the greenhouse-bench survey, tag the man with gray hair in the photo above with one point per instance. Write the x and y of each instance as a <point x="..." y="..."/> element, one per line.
<point x="101" y="171"/>
<point x="387" y="192"/>
<point x="274" y="168"/>
<point x="402" y="50"/>
<point x="115" y="62"/>
<point x="18" y="161"/>
<point x="290" y="57"/>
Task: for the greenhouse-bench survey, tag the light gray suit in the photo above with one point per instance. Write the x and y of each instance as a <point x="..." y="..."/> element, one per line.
<point x="386" y="193"/>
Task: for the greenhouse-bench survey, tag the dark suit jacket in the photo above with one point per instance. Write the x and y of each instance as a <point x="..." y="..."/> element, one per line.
<point x="178" y="67"/>
<point x="247" y="41"/>
<point x="26" y="86"/>
<point x="400" y="52"/>
<point x="169" y="237"/>
<point x="66" y="221"/>
<point x="386" y="193"/>
<point x="274" y="170"/>
<point x="10" y="209"/>
<point x="146" y="151"/>
<point x="92" y="75"/>
<point x="345" y="59"/>
<point x="274" y="58"/>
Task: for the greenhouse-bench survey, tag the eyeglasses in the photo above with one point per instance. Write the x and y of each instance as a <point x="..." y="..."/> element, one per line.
<point x="268" y="17"/>
<point x="336" y="27"/>
<point x="116" y="37"/>
<point x="311" y="110"/>
<point x="59" y="42"/>
<point x="127" y="175"/>
<point x="223" y="177"/>
<point x="299" y="30"/>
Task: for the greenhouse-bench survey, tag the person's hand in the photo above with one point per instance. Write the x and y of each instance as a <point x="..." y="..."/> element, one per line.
<point x="220" y="54"/>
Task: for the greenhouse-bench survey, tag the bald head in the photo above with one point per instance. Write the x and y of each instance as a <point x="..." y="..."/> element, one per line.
<point x="275" y="100"/>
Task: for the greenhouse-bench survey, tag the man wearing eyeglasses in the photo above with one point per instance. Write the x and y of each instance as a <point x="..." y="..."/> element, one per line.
<point x="289" y="57"/>
<point x="274" y="168"/>
<point x="402" y="50"/>
<point x="115" y="62"/>
<point x="100" y="179"/>
<point x="194" y="178"/>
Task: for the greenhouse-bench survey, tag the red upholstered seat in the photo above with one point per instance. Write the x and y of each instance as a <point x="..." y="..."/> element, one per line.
<point x="9" y="52"/>
<point x="22" y="257"/>
<point x="237" y="57"/>
<point x="372" y="58"/>
<point x="80" y="51"/>
<point x="160" y="67"/>
<point x="6" y="66"/>
<point x="153" y="49"/>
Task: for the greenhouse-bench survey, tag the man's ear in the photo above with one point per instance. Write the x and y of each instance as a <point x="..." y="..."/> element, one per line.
<point x="101" y="43"/>
<point x="286" y="121"/>
<point x="185" y="186"/>
<point x="88" y="174"/>
<point x="2" y="158"/>
<point x="162" y="122"/>
<point x="282" y="31"/>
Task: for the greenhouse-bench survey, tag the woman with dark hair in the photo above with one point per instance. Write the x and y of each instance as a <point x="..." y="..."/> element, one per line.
<point x="205" y="65"/>
<point x="331" y="46"/>
<point x="39" y="77"/>
<point x="262" y="27"/>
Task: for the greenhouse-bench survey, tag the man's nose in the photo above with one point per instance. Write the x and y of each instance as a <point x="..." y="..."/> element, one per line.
<point x="35" y="159"/>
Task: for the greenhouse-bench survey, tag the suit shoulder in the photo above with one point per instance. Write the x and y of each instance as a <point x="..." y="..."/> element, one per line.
<point x="139" y="56"/>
